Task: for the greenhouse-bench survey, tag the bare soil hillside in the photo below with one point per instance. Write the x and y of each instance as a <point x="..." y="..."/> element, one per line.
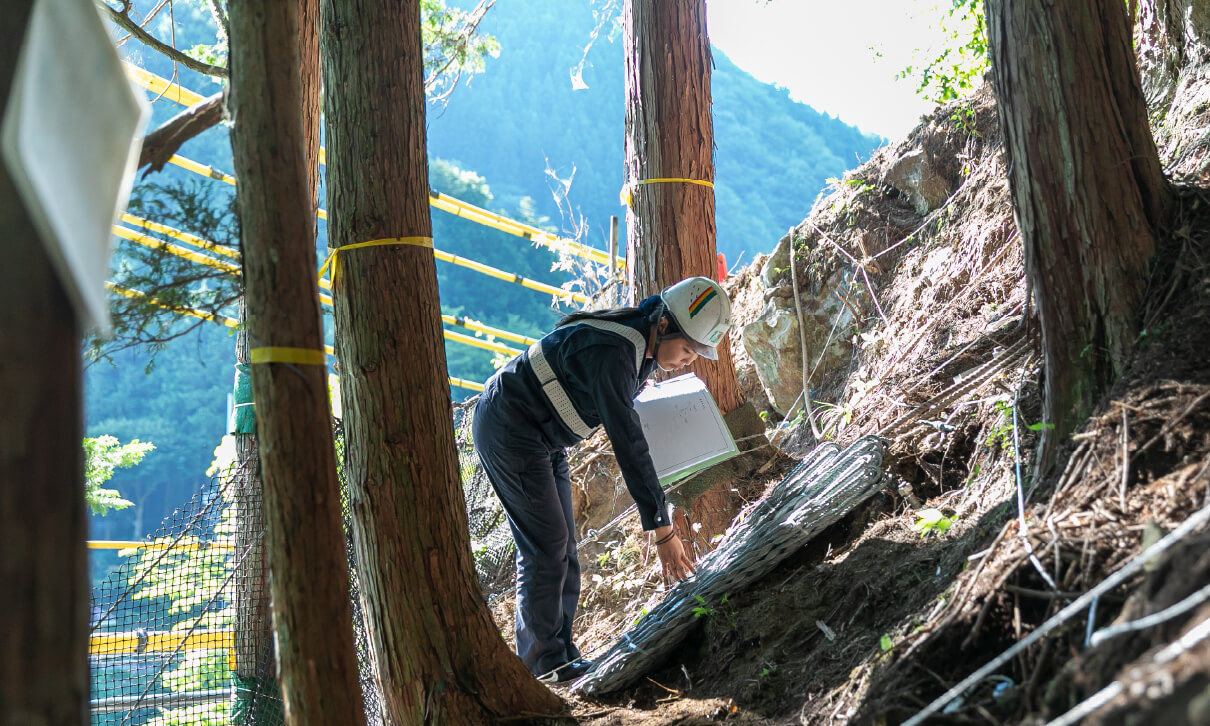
<point x="969" y="548"/>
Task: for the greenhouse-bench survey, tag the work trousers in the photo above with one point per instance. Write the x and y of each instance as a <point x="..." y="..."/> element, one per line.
<point x="532" y="481"/>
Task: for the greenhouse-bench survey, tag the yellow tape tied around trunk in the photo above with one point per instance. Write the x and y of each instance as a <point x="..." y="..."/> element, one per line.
<point x="301" y="356"/>
<point x="626" y="196"/>
<point x="333" y="260"/>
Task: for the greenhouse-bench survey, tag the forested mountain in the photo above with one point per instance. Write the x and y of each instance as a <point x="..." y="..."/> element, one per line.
<point x="498" y="134"/>
<point x="773" y="155"/>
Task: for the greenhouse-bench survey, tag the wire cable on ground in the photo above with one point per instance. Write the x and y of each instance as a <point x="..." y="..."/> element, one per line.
<point x="1177" y="535"/>
<point x="1022" y="527"/>
<point x="1170" y="653"/>
<point x="1152" y="620"/>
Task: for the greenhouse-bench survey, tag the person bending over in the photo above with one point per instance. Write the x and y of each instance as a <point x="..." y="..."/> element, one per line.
<point x="584" y="373"/>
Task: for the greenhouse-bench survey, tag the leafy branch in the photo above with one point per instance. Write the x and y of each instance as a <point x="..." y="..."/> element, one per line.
<point x="165" y="283"/>
<point x="122" y="19"/>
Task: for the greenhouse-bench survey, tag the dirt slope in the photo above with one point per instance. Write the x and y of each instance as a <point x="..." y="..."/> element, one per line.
<point x="874" y="620"/>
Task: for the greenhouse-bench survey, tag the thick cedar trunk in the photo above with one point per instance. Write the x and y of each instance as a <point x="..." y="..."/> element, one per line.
<point x="305" y="540"/>
<point x="1086" y="182"/>
<point x="253" y="633"/>
<point x="670" y="134"/>
<point x="1169" y="35"/>
<point x="439" y="657"/>
<point x="44" y="619"/>
<point x="308" y="52"/>
<point x="670" y="226"/>
<point x="44" y="623"/>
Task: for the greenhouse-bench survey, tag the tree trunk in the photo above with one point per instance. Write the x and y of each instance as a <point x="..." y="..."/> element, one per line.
<point x="305" y="539"/>
<point x="308" y="50"/>
<point x="670" y="134"/>
<point x="1169" y="35"/>
<point x="253" y="636"/>
<point x="439" y="657"/>
<point x="670" y="225"/>
<point x="1086" y="183"/>
<point x="43" y="563"/>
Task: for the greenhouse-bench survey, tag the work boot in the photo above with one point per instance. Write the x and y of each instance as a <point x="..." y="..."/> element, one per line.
<point x="569" y="671"/>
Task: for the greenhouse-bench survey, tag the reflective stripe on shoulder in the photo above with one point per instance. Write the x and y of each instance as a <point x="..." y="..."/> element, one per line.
<point x="553" y="389"/>
<point x="555" y="393"/>
<point x="635" y="337"/>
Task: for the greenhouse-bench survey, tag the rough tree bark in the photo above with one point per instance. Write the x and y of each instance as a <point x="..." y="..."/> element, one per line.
<point x="439" y="658"/>
<point x="1087" y="187"/>
<point x="253" y="623"/>
<point x="1170" y="36"/>
<point x="670" y="134"/>
<point x="305" y="538"/>
<point x="43" y="565"/>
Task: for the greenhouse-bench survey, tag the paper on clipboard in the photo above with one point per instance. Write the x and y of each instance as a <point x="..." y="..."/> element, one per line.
<point x="684" y="429"/>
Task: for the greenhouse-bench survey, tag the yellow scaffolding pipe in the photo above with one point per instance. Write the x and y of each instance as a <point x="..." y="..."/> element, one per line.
<point x="180" y="310"/>
<point x="121" y="544"/>
<point x="177" y="234"/>
<point x="192" y="256"/>
<point x="439" y="254"/>
<point x="182" y="252"/>
<point x="162" y="86"/>
<point x="233" y="323"/>
<point x="159" y="641"/>
<point x="202" y="169"/>
<point x="486" y="329"/>
<point x="457" y="207"/>
<point x="508" y="276"/>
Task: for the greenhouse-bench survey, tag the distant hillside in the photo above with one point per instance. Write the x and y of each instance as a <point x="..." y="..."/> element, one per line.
<point x="773" y="155"/>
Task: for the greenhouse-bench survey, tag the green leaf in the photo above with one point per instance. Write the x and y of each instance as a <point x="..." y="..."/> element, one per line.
<point x="886" y="643"/>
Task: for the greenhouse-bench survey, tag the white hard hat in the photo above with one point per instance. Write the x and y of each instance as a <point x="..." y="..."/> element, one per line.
<point x="702" y="310"/>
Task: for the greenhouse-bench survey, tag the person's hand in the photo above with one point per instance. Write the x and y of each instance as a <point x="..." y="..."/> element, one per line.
<point x="674" y="558"/>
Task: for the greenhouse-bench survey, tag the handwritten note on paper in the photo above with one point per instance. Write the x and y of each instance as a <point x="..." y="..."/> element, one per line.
<point x="683" y="426"/>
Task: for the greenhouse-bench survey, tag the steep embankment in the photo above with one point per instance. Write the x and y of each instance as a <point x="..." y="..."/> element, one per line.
<point x="910" y="277"/>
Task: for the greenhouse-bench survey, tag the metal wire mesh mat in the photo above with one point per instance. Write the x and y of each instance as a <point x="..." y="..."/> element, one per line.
<point x="825" y="486"/>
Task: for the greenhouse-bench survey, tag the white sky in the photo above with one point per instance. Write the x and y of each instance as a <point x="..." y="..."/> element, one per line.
<point x="820" y="50"/>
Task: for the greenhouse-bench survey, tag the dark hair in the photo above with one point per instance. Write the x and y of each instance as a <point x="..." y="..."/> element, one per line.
<point x="610" y="314"/>
<point x="652" y="308"/>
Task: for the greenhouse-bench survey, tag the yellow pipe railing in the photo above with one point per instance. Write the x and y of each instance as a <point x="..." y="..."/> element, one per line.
<point x="159" y="641"/>
<point x="233" y="323"/>
<point x="179" y="94"/>
<point x="192" y="256"/>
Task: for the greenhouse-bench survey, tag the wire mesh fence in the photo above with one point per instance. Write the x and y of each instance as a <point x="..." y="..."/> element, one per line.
<point x="180" y="630"/>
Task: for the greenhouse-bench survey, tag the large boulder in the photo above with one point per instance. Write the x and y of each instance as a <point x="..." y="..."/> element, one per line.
<point x="777" y="267"/>
<point x="913" y="176"/>
<point x="772" y="342"/>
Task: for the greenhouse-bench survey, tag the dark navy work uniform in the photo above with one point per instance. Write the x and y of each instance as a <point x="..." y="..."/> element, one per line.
<point x="520" y="436"/>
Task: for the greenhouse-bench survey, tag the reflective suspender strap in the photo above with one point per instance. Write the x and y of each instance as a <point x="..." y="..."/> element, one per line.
<point x="554" y="389"/>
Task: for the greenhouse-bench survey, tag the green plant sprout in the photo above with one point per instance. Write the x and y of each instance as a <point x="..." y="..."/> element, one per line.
<point x="932" y="520"/>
